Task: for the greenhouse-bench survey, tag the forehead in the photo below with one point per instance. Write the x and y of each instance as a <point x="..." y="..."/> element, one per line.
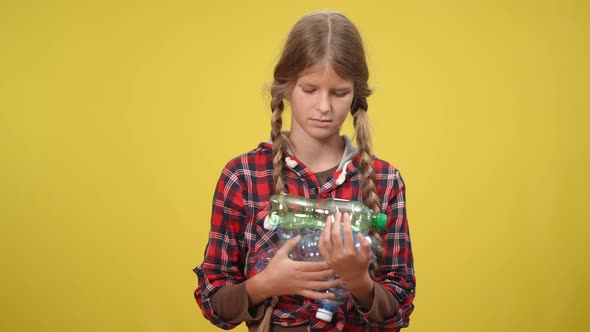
<point x="323" y="74"/>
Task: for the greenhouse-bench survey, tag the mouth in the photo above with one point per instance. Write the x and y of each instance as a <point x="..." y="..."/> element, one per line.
<point x="321" y="123"/>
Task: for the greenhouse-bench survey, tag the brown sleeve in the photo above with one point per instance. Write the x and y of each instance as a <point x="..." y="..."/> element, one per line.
<point x="230" y="303"/>
<point x="384" y="305"/>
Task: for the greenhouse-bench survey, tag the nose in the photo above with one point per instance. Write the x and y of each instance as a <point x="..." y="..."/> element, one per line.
<point x="323" y="103"/>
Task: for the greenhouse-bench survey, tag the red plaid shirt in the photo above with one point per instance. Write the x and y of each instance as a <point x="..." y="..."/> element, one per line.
<point x="240" y="205"/>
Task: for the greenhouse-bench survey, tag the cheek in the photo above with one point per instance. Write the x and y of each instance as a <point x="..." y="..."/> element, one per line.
<point x="297" y="100"/>
<point x="343" y="109"/>
<point x="345" y="103"/>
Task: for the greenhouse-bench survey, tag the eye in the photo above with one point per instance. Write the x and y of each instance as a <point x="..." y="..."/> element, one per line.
<point x="340" y="93"/>
<point x="308" y="90"/>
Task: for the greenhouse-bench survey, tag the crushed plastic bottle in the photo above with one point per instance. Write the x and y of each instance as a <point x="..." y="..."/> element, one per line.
<point x="293" y="215"/>
<point x="262" y="257"/>
<point x="307" y="250"/>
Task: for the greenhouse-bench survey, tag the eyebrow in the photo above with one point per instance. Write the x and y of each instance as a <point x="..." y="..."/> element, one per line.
<point x="339" y="88"/>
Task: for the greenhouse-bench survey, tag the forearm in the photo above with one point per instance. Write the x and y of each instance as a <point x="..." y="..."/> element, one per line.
<point x="383" y="304"/>
<point x="363" y="291"/>
<point x="257" y="290"/>
<point x="232" y="304"/>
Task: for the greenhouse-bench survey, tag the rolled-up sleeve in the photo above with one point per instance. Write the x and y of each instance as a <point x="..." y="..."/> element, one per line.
<point x="397" y="271"/>
<point x="223" y="261"/>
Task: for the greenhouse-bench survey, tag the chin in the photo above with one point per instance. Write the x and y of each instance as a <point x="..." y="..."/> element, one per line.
<point x="323" y="135"/>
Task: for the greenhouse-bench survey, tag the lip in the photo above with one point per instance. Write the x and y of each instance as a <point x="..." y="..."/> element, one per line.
<point x="321" y="123"/>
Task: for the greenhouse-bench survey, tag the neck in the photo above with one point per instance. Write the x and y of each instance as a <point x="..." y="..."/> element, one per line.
<point x="318" y="155"/>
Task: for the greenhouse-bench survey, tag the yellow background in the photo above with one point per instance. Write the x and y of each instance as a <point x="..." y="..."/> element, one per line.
<point x="117" y="117"/>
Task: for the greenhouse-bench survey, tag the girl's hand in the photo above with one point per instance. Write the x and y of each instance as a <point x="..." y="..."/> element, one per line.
<point x="284" y="276"/>
<point x="350" y="263"/>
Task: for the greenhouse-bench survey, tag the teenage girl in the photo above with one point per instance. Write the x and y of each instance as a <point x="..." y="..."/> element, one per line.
<point x="322" y="76"/>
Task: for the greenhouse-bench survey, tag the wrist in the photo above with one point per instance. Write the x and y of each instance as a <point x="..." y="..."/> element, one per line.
<point x="363" y="290"/>
<point x="361" y="285"/>
<point x="256" y="290"/>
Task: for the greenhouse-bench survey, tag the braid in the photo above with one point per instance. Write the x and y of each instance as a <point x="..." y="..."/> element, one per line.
<point x="369" y="190"/>
<point x="279" y="140"/>
<point x="363" y="140"/>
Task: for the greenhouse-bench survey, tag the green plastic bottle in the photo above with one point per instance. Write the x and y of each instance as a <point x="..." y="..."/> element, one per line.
<point x="295" y="212"/>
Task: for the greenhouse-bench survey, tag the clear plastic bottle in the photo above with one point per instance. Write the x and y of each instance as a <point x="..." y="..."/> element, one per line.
<point x="262" y="257"/>
<point x="294" y="212"/>
<point x="293" y="215"/>
<point x="307" y="250"/>
<point x="327" y="308"/>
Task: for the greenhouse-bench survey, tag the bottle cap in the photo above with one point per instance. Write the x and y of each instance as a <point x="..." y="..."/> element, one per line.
<point x="380" y="221"/>
<point x="269" y="223"/>
<point x="323" y="314"/>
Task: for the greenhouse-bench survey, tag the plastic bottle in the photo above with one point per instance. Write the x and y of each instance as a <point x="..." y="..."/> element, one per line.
<point x="262" y="257"/>
<point x="327" y="308"/>
<point x="294" y="212"/>
<point x="307" y="250"/>
<point x="293" y="215"/>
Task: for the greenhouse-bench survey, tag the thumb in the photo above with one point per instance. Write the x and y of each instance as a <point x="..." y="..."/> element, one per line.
<point x="289" y="245"/>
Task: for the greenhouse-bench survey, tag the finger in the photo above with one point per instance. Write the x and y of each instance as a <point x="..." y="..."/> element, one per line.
<point x="324" y="254"/>
<point x="323" y="284"/>
<point x="313" y="267"/>
<point x="364" y="244"/>
<point x="318" y="275"/>
<point x="328" y="227"/>
<point x="335" y="235"/>
<point x="288" y="246"/>
<point x="325" y="244"/>
<point x="347" y="230"/>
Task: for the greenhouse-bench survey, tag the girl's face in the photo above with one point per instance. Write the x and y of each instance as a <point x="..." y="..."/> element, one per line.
<point x="320" y="101"/>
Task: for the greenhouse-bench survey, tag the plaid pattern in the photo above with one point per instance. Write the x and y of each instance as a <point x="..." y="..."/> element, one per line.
<point x="241" y="203"/>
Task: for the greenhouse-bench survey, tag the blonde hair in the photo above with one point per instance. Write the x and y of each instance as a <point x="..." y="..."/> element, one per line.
<point x="331" y="38"/>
